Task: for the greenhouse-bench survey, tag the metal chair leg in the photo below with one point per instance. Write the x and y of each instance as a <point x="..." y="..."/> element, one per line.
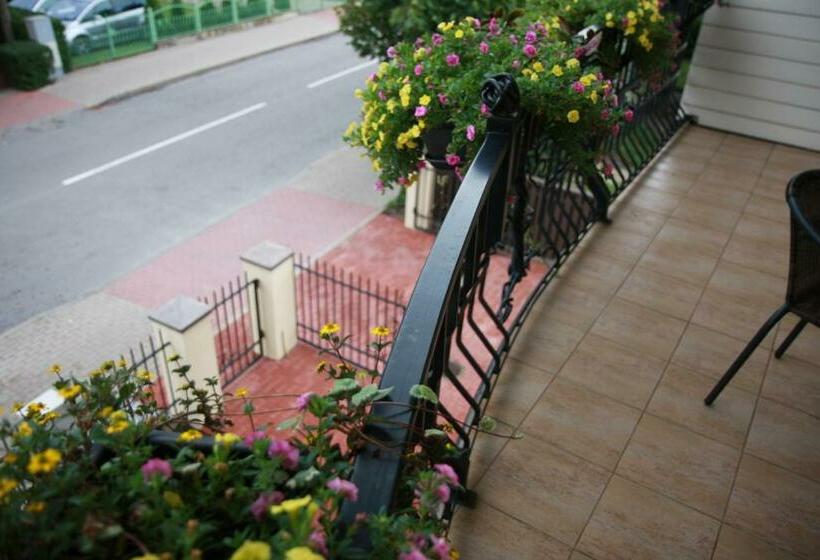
<point x="789" y="339"/>
<point x="744" y="355"/>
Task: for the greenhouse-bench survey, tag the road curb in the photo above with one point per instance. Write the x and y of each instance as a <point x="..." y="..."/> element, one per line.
<point x="162" y="83"/>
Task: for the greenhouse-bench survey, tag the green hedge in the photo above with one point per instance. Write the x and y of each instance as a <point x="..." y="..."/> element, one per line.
<point x="18" y="26"/>
<point x="25" y="64"/>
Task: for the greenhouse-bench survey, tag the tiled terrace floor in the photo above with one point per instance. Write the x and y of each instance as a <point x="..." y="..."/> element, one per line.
<point x="620" y="457"/>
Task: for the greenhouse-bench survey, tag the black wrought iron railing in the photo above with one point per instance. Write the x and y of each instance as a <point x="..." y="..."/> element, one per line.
<point x="520" y="211"/>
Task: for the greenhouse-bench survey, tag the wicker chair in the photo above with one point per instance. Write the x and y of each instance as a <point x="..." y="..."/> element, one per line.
<point x="803" y="295"/>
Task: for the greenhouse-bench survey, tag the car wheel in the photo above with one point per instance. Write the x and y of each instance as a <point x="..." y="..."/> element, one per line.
<point x="81" y="45"/>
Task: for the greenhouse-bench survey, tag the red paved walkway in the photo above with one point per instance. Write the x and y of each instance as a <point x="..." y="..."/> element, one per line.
<point x="22" y="107"/>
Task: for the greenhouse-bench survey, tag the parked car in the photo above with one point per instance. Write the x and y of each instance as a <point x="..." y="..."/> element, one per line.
<point x="31" y="5"/>
<point x="87" y="22"/>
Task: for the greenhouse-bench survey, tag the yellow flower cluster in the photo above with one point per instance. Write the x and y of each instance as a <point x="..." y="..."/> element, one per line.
<point x="70" y="391"/>
<point x="302" y="553"/>
<point x="380" y="331"/>
<point x="117" y="422"/>
<point x="7" y="486"/>
<point x="295" y="506"/>
<point x="227" y="440"/>
<point x="252" y="550"/>
<point x="44" y="462"/>
<point x="329" y="329"/>
<point x="189" y="435"/>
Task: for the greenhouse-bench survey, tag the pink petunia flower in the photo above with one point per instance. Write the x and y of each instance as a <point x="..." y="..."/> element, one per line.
<point x="254" y="437"/>
<point x="616" y="129"/>
<point x="344" y="488"/>
<point x="382" y="95"/>
<point x="379" y="186"/>
<point x="437" y="39"/>
<point x="156" y="467"/>
<point x="516" y="64"/>
<point x="484" y="109"/>
<point x="579" y="52"/>
<point x="452" y="159"/>
<point x="418" y="70"/>
<point x="414" y="554"/>
<point x="259" y="508"/>
<point x="493" y="26"/>
<point x="421" y="110"/>
<point x="447" y="472"/>
<point x="392" y="52"/>
<point x="578" y="87"/>
<point x="629" y="115"/>
<point x="531" y="37"/>
<point x="513" y="39"/>
<point x="286" y="452"/>
<point x="483" y="47"/>
<point x="303" y="400"/>
<point x="453" y="59"/>
<point x="441" y="548"/>
<point x="442" y="99"/>
<point x="443" y="493"/>
<point x="319" y="541"/>
<point x="529" y="50"/>
<point x="605" y="114"/>
<point x="470" y="132"/>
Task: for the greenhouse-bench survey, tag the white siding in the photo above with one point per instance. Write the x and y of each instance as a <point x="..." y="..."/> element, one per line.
<point x="756" y="71"/>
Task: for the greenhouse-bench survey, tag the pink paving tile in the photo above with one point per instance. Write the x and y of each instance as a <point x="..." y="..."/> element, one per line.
<point x="303" y="221"/>
<point x="22" y="107"/>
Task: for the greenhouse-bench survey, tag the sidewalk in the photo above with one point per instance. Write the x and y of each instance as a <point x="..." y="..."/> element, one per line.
<point x="96" y="85"/>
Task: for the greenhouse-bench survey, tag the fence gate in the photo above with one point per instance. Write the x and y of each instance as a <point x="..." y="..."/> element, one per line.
<point x="238" y="334"/>
<point x="326" y="294"/>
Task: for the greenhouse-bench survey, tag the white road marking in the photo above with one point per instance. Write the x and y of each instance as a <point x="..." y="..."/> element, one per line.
<point x="163" y="144"/>
<point x="337" y="75"/>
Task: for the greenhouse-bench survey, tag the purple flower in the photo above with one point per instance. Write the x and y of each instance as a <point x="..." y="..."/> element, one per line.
<point x="419" y="42"/>
<point x="382" y="96"/>
<point x="344" y="488"/>
<point x="484" y="47"/>
<point x="319" y="541"/>
<point x="443" y="493"/>
<point x="414" y="554"/>
<point x="254" y="437"/>
<point x="392" y="52"/>
<point x="579" y="52"/>
<point x="372" y="77"/>
<point x="452" y="159"/>
<point x="447" y="472"/>
<point x="379" y="186"/>
<point x="259" y="508"/>
<point x="529" y="50"/>
<point x="418" y="69"/>
<point x="285" y="451"/>
<point x="421" y="110"/>
<point x="441" y="548"/>
<point x="513" y="39"/>
<point x="303" y="400"/>
<point x="578" y="87"/>
<point x="156" y="467"/>
<point x="470" y="132"/>
<point x="442" y="99"/>
<point x="540" y="28"/>
<point x="493" y="26"/>
<point x="437" y="39"/>
<point x="531" y="37"/>
<point x="484" y="109"/>
<point x="516" y="64"/>
<point x="453" y="59"/>
<point x="629" y="115"/>
<point x="477" y="23"/>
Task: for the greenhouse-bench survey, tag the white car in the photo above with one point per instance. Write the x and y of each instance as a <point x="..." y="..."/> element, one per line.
<point x="87" y="22"/>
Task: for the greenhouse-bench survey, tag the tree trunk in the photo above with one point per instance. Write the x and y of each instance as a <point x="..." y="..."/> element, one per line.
<point x="5" y="22"/>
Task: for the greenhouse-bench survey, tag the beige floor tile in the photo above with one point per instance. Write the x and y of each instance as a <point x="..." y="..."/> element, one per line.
<point x="709" y="215"/>
<point x="485" y="450"/>
<point x="680" y="150"/>
<point x="679" y="398"/>
<point x="677" y="261"/>
<point x="806" y="346"/>
<point x="619" y="244"/>
<point x="652" y="199"/>
<point x="763" y="230"/>
<point x="486" y="533"/>
<point x="639" y="328"/>
<point x="786" y="437"/>
<point x="682" y="167"/>
<point x="660" y="292"/>
<point x="666" y="182"/>
<point x="517" y="390"/>
<point x="545" y="487"/>
<point x="694" y="238"/>
<point x="718" y="312"/>
<point x="771" y="188"/>
<point x="626" y="217"/>
<point x="795" y="383"/>
<point x="734" y="544"/>
<point x="634" y="523"/>
<point x="681" y="464"/>
<point x="797" y="157"/>
<point x="741" y="146"/>
<point x="596" y="273"/>
<point x="747" y="285"/>
<point x="700" y="136"/>
<point x="546" y="343"/>
<point x="571" y="305"/>
<point x="730" y="176"/>
<point x="779" y="506"/>
<point x="732" y="160"/>
<point x="719" y="195"/>
<point x="608" y="368"/>
<point x="580" y="556"/>
<point x="771" y="258"/>
<point x="711" y="353"/>
<point x="762" y="206"/>
<point x="780" y="171"/>
<point x="582" y="421"/>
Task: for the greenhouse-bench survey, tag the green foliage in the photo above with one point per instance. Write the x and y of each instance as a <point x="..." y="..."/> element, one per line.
<point x="26" y="64"/>
<point x="18" y="25"/>
<point x="374" y="25"/>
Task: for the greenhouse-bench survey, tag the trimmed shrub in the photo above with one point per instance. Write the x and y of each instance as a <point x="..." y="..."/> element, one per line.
<point x="25" y="64"/>
<point x="18" y="26"/>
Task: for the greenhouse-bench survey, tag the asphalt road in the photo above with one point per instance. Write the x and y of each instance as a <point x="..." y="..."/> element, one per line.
<point x="60" y="242"/>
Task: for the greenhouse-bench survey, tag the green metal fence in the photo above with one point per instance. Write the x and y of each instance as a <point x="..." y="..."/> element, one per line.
<point x="114" y="39"/>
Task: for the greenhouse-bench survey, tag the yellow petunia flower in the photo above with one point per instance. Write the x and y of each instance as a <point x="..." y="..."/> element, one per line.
<point x="69" y="392"/>
<point x="252" y="550"/>
<point x="302" y="553"/>
<point x="573" y="116"/>
<point x="593" y="97"/>
<point x="189" y="435"/>
<point x="35" y="506"/>
<point x="424" y="100"/>
<point x="44" y="462"/>
<point x="117" y="426"/>
<point x="7" y="486"/>
<point x="227" y="439"/>
<point x="24" y="429"/>
<point x="459" y="34"/>
<point x="557" y="71"/>
<point x="538" y="67"/>
<point x="573" y="63"/>
<point x="329" y="329"/>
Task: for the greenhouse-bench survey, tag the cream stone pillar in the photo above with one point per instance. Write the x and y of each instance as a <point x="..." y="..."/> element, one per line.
<point x="419" y="198"/>
<point x="183" y="322"/>
<point x="272" y="266"/>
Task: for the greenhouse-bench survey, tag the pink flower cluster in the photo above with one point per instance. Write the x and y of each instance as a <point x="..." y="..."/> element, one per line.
<point x="259" y="508"/>
<point x="156" y="467"/>
<point x="303" y="400"/>
<point x="452" y="59"/>
<point x="344" y="488"/>
<point x="286" y="452"/>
